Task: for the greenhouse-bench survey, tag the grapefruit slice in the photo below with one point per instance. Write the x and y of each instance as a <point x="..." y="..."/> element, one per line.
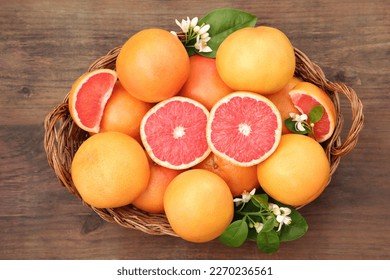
<point x="244" y="128"/>
<point x="174" y="133"/>
<point x="89" y="96"/>
<point x="305" y="96"/>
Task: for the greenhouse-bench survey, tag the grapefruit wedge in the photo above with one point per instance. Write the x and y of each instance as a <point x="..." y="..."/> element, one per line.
<point x="244" y="128"/>
<point x="305" y="96"/>
<point x="89" y="96"/>
<point x="174" y="133"/>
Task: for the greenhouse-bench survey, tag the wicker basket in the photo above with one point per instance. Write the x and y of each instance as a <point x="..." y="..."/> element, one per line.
<point x="63" y="137"/>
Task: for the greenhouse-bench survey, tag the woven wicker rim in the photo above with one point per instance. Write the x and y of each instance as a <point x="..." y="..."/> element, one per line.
<point x="62" y="139"/>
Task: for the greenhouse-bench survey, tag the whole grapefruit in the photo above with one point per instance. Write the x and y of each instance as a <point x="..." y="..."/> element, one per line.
<point x="297" y="172"/>
<point x="198" y="205"/>
<point x="153" y="65"/>
<point x="110" y="169"/>
<point x="258" y="59"/>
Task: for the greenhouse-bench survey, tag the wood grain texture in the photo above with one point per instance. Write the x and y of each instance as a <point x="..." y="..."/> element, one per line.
<point x="45" y="45"/>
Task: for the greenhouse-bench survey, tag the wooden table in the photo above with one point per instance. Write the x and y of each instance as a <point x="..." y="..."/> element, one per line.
<point x="45" y="45"/>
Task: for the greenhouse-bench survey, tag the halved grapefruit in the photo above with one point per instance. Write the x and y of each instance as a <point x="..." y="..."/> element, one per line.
<point x="244" y="128"/>
<point x="89" y="96"/>
<point x="174" y="133"/>
<point x="305" y="96"/>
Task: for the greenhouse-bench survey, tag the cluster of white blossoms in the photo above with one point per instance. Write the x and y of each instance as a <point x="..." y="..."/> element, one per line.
<point x="192" y="30"/>
<point x="299" y="119"/>
<point x="281" y="213"/>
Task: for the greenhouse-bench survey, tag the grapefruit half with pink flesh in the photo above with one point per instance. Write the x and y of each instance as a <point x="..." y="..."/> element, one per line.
<point x="174" y="133"/>
<point x="244" y="128"/>
<point x="89" y="96"/>
<point x="305" y="96"/>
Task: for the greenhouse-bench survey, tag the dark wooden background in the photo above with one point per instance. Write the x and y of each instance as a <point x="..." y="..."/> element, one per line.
<point x="45" y="45"/>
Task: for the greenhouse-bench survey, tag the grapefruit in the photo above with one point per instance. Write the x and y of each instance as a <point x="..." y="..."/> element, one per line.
<point x="297" y="172"/>
<point x="123" y="112"/>
<point x="153" y="65"/>
<point x="110" y="169"/>
<point x="174" y="133"/>
<point x="244" y="128"/>
<point x="204" y="83"/>
<point x="258" y="59"/>
<point x="305" y="96"/>
<point x="88" y="97"/>
<point x="283" y="102"/>
<point x="238" y="178"/>
<point x="198" y="205"/>
<point x="151" y="200"/>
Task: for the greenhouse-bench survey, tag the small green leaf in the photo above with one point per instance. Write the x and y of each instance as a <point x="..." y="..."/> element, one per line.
<point x="250" y="206"/>
<point x="316" y="113"/>
<point x="268" y="242"/>
<point x="296" y="229"/>
<point x="235" y="234"/>
<point x="223" y="22"/>
<point x="269" y="225"/>
<point x="290" y="124"/>
<point x="260" y="200"/>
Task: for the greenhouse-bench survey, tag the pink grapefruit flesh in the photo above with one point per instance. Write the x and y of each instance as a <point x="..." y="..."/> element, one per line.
<point x="244" y="128"/>
<point x="174" y="133"/>
<point x="89" y="97"/>
<point x="304" y="101"/>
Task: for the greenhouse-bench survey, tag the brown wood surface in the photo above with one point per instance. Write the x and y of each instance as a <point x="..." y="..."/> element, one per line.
<point x="45" y="45"/>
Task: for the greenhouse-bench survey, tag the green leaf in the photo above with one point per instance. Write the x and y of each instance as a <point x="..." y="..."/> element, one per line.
<point x="290" y="124"/>
<point x="296" y="229"/>
<point x="260" y="200"/>
<point x="269" y="225"/>
<point x="223" y="22"/>
<point x="268" y="242"/>
<point x="235" y="234"/>
<point x="316" y="113"/>
<point x="250" y="206"/>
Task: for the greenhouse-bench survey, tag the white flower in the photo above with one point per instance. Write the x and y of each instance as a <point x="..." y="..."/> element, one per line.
<point x="191" y="31"/>
<point x="194" y="22"/>
<point x="274" y="208"/>
<point x="258" y="226"/>
<point x="283" y="218"/>
<point x="299" y="119"/>
<point x="203" y="29"/>
<point x="184" y="25"/>
<point x="205" y="36"/>
<point x="245" y="197"/>
<point x="201" y="44"/>
<point x="281" y="214"/>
